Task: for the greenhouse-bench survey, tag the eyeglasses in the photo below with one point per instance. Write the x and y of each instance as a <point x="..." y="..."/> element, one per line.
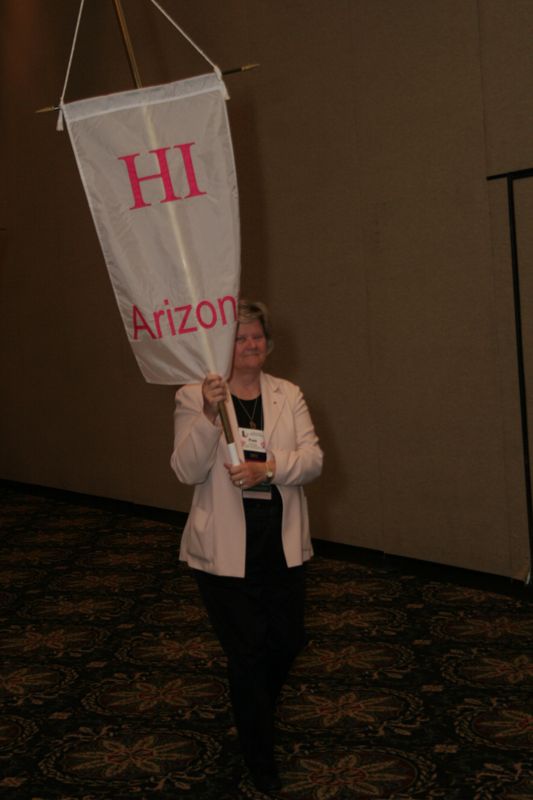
<point x="257" y="337"/>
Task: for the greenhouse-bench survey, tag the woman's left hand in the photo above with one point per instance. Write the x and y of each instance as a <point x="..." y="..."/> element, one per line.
<point x="247" y="474"/>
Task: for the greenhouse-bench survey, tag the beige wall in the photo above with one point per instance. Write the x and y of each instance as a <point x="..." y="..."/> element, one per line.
<point x="363" y="144"/>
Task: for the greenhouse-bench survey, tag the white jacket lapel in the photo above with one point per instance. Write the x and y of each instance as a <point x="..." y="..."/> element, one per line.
<point x="273" y="402"/>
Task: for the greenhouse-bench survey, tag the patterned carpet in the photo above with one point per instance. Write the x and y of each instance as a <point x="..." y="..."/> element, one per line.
<point x="112" y="686"/>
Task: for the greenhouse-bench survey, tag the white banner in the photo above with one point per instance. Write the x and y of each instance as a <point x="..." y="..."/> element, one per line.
<point x="159" y="173"/>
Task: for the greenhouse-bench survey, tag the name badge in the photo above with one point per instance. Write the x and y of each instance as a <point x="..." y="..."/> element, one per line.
<point x="253" y="445"/>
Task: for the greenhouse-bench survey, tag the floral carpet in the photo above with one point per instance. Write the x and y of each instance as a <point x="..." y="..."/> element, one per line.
<point x="112" y="686"/>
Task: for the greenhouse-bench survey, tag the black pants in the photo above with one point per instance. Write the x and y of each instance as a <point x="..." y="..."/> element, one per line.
<point x="259" y="621"/>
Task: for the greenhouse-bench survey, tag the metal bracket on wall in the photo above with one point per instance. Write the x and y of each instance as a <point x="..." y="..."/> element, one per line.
<point x="510" y="178"/>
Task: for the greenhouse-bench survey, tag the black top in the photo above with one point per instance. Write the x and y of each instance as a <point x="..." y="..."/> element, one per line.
<point x="248" y="412"/>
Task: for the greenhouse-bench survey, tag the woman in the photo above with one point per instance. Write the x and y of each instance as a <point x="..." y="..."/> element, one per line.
<point x="247" y="534"/>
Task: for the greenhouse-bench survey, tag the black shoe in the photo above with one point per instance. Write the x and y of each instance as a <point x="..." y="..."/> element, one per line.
<point x="266" y="778"/>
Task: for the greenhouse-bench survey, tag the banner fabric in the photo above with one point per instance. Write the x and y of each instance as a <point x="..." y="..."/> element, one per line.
<point x="159" y="173"/>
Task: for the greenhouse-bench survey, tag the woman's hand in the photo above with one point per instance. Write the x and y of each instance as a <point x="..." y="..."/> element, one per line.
<point x="214" y="392"/>
<point x="250" y="473"/>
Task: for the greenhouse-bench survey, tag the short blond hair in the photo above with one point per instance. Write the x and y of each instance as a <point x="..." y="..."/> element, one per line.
<point x="249" y="311"/>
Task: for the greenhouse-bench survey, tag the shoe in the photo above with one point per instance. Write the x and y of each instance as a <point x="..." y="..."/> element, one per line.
<point x="266" y="778"/>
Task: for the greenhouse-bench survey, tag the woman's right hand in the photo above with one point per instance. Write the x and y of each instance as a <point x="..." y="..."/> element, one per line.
<point x="214" y="392"/>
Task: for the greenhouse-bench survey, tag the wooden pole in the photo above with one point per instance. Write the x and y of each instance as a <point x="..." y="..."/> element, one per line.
<point x="127" y="44"/>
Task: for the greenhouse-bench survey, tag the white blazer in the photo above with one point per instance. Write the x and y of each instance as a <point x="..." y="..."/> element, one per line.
<point x="214" y="539"/>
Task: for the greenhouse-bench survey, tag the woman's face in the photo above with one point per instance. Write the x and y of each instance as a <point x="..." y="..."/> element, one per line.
<point x="250" y="347"/>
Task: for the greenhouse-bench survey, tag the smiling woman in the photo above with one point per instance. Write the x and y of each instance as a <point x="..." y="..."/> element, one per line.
<point x="247" y="536"/>
<point x="248" y="359"/>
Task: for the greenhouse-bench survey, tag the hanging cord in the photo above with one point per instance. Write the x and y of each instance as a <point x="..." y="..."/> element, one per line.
<point x="59" y="125"/>
<point x="186" y="36"/>
<point x="216" y="69"/>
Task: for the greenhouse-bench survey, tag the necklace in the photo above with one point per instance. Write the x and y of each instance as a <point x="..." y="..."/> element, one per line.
<point x="251" y="417"/>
